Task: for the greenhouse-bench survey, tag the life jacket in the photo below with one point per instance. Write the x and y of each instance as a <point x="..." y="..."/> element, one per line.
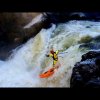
<point x="55" y="57"/>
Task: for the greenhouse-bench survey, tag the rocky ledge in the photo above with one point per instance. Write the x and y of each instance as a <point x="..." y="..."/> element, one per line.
<point x="86" y="73"/>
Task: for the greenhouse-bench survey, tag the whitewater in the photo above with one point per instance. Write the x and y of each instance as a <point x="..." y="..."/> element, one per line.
<point x="28" y="61"/>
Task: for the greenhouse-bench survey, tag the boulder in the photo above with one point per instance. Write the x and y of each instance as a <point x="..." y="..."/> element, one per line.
<point x="13" y="33"/>
<point x="86" y="73"/>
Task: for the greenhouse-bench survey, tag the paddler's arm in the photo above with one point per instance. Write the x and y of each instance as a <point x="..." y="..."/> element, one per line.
<point x="50" y="55"/>
<point x="57" y="51"/>
<point x="61" y="51"/>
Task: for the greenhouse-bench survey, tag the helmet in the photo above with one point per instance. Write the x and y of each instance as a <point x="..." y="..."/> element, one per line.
<point x="51" y="51"/>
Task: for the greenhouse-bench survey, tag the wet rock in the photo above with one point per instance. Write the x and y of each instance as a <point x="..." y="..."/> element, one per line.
<point x="11" y="25"/>
<point x="86" y="73"/>
<point x="88" y="26"/>
<point x="61" y="17"/>
<point x="13" y="33"/>
<point x="93" y="83"/>
<point x="90" y="55"/>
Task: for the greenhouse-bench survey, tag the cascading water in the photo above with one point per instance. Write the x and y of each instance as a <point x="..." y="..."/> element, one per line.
<point x="23" y="67"/>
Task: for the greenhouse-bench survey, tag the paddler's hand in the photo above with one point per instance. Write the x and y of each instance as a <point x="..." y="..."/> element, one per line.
<point x="47" y="55"/>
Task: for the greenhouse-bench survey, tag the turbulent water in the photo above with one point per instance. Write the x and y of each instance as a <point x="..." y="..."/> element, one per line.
<point x="22" y="69"/>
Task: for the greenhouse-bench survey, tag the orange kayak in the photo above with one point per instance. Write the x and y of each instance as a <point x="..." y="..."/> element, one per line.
<point x="48" y="73"/>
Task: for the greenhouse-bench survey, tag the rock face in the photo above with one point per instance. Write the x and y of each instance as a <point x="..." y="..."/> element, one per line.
<point x="11" y="25"/>
<point x="13" y="33"/>
<point x="59" y="17"/>
<point x="86" y="73"/>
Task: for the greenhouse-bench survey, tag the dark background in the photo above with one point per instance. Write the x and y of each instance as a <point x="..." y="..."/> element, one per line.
<point x="49" y="5"/>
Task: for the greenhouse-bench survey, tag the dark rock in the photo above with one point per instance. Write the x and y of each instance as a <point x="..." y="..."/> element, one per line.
<point x="93" y="83"/>
<point x="11" y="25"/>
<point x="88" y="26"/>
<point x="61" y="17"/>
<point x="90" y="55"/>
<point x="86" y="73"/>
<point x="13" y="33"/>
<point x="76" y="79"/>
<point x="98" y="61"/>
